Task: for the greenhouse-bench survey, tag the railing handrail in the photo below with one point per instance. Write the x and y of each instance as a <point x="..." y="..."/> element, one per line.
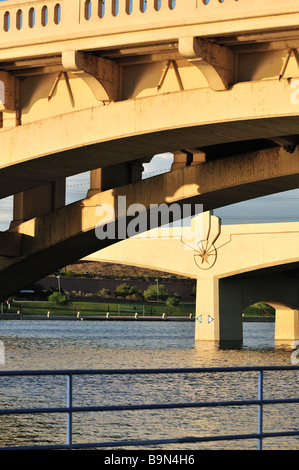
<point x="69" y="409"/>
<point x="145" y="371"/>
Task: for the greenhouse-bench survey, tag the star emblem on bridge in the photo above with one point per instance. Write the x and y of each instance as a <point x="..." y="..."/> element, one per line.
<point x="206" y="254"/>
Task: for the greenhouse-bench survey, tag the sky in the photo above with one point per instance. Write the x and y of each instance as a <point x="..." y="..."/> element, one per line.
<point x="281" y="207"/>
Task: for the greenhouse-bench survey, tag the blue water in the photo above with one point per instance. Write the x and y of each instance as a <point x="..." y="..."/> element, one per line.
<point x="101" y="345"/>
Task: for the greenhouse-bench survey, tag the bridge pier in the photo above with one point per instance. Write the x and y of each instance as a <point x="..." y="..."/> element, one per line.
<point x="220" y="302"/>
<point x="218" y="313"/>
<point x="286" y="325"/>
<point x="281" y="293"/>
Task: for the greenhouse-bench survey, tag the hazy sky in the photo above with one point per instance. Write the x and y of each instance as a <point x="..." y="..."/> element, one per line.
<point x="281" y="207"/>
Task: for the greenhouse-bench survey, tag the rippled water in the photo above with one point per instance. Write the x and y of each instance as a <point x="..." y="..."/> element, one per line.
<point x="114" y="345"/>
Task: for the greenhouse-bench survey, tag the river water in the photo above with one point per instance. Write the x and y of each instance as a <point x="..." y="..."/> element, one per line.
<point x="122" y="345"/>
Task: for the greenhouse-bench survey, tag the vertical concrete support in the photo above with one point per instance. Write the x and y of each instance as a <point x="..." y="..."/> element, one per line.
<point x="230" y="312"/>
<point x="207" y="309"/>
<point x="180" y="160"/>
<point x="286" y="325"/>
<point x="38" y="201"/>
<point x="187" y="157"/>
<point x="109" y="177"/>
<point x="218" y="311"/>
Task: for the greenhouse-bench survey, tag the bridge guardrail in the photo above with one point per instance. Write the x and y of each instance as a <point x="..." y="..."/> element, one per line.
<point x="40" y="19"/>
<point x="70" y="409"/>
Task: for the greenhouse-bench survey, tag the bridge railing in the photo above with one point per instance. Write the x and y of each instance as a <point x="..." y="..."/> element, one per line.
<point x="40" y="19"/>
<point x="70" y="409"/>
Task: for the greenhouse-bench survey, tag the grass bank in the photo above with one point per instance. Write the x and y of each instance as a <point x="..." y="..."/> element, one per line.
<point x="28" y="307"/>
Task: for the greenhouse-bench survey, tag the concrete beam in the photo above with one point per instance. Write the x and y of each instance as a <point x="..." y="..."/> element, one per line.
<point x="217" y="63"/>
<point x="105" y="71"/>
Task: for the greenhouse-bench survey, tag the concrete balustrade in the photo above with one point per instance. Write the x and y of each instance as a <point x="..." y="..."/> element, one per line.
<point x="41" y="18"/>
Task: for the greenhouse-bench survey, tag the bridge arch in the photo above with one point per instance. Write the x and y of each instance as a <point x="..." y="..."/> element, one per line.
<point x="235" y="294"/>
<point x="92" y="138"/>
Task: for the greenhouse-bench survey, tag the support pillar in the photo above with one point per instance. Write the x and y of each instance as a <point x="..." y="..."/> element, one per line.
<point x="109" y="177"/>
<point x="218" y="311"/>
<point x="207" y="309"/>
<point x="190" y="157"/>
<point x="286" y="325"/>
<point x="38" y="201"/>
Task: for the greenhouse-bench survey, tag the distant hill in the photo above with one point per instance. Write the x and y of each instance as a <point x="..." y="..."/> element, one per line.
<point x="113" y="270"/>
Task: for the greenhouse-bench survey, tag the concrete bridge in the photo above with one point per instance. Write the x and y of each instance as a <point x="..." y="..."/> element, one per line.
<point x="235" y="266"/>
<point x="88" y="85"/>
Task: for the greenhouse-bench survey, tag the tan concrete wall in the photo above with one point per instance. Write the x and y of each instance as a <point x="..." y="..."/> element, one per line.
<point x="186" y="19"/>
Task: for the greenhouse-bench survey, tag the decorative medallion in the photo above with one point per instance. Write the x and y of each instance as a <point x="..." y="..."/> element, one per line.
<point x="206" y="254"/>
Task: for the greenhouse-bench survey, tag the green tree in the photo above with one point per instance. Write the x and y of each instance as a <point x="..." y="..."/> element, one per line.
<point x="126" y="291"/>
<point x="123" y="290"/>
<point x="153" y="292"/>
<point x="59" y="298"/>
<point x="172" y="302"/>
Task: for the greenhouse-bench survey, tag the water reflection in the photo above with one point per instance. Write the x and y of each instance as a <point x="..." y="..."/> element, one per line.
<point x="106" y="345"/>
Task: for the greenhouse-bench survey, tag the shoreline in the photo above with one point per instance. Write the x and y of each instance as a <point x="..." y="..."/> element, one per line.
<point x="53" y="317"/>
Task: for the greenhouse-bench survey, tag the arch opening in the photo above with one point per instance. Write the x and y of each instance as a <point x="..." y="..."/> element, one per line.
<point x="259" y="309"/>
<point x="284" y="317"/>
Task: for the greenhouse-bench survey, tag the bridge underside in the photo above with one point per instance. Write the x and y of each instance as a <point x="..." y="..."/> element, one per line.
<point x="219" y="125"/>
<point x="278" y="288"/>
<point x="43" y="244"/>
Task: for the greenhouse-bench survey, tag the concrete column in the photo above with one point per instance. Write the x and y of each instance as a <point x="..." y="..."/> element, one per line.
<point x="181" y="160"/>
<point x="109" y="177"/>
<point x="187" y="158"/>
<point x="218" y="311"/>
<point x="38" y="201"/>
<point x="286" y="325"/>
<point x="230" y="312"/>
<point x="207" y="309"/>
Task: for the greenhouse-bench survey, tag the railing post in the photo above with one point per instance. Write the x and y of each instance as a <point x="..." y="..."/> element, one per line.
<point x="69" y="404"/>
<point x="260" y="410"/>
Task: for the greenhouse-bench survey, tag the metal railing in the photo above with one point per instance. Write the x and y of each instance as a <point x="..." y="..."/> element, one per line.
<point x="69" y="409"/>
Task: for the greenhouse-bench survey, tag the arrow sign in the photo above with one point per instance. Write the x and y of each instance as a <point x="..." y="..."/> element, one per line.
<point x="199" y="318"/>
<point x="210" y="319"/>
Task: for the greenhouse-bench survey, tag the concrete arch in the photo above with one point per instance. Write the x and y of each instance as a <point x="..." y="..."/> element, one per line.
<point x="279" y="305"/>
<point x="71" y="143"/>
<point x="236" y="294"/>
<point x="67" y="234"/>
